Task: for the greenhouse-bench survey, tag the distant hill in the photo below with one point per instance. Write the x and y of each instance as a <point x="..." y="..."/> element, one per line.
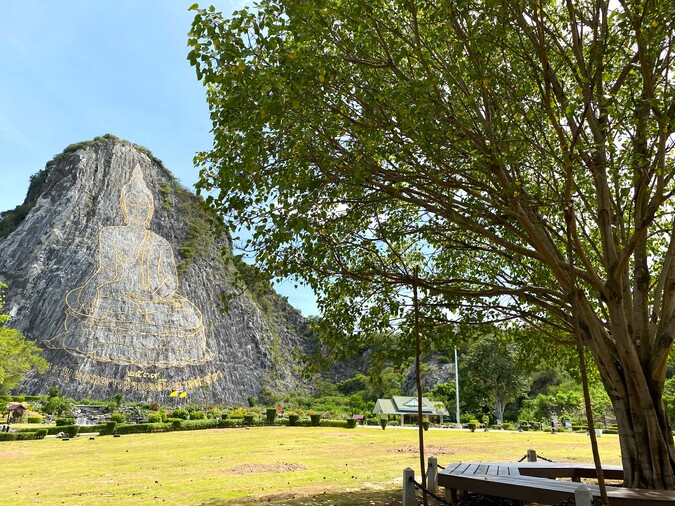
<point x="112" y="270"/>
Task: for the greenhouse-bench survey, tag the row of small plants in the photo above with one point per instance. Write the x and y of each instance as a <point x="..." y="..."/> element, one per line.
<point x="172" y="424"/>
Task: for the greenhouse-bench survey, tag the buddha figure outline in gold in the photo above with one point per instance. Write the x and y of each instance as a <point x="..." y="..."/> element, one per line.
<point x="129" y="311"/>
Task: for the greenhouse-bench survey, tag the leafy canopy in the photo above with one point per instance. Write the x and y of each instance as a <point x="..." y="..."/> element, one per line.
<point x="518" y="152"/>
<point x="355" y="139"/>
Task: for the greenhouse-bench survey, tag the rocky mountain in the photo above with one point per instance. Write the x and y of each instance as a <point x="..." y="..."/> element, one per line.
<point x="111" y="268"/>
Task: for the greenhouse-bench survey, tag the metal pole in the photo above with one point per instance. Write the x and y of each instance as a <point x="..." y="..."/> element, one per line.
<point x="457" y="386"/>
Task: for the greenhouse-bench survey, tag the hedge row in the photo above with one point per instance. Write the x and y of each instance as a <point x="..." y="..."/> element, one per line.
<point x="68" y="429"/>
<point x="174" y="424"/>
<point x="22" y="436"/>
<point x="180" y="424"/>
<point x="140" y="428"/>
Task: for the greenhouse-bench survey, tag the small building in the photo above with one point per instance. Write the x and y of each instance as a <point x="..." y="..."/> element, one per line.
<point x="407" y="406"/>
<point x="15" y="411"/>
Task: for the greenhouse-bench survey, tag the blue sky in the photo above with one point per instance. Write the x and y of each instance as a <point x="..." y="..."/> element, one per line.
<point x="74" y="69"/>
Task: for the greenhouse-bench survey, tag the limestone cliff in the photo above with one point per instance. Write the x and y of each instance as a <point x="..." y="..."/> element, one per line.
<point x="112" y="270"/>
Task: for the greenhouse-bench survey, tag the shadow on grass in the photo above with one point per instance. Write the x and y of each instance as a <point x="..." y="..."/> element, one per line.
<point x="361" y="498"/>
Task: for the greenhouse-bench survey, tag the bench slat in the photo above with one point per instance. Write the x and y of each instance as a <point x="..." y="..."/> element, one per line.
<point x="506" y="480"/>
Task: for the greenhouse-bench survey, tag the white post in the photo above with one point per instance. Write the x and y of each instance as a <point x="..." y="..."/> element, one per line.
<point x="583" y="496"/>
<point x="432" y="475"/>
<point x="459" y="424"/>
<point x="409" y="498"/>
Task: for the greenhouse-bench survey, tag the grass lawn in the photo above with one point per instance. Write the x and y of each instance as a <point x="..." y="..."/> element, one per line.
<point x="294" y="466"/>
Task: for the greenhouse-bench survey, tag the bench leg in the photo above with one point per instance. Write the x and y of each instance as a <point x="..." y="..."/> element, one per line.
<point x="451" y="495"/>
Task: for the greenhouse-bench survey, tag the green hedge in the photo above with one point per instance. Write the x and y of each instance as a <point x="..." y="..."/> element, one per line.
<point x="63" y="428"/>
<point x="22" y="436"/>
<point x="71" y="430"/>
<point x="200" y="424"/>
<point x="339" y="424"/>
<point x="65" y="421"/>
<point x="183" y="414"/>
<point x="109" y="428"/>
<point x="176" y="424"/>
<point x="95" y="428"/>
<point x="34" y="419"/>
<point x="142" y="428"/>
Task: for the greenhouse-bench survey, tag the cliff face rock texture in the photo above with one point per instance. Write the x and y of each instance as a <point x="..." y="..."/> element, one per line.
<point x="115" y="275"/>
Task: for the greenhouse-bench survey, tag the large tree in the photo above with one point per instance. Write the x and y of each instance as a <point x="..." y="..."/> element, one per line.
<point x="518" y="152"/>
<point x="490" y="374"/>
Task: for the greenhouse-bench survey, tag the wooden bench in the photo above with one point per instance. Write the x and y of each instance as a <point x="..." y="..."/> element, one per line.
<point x="537" y="482"/>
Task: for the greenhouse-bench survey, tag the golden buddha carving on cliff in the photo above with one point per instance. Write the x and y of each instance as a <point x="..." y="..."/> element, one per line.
<point x="129" y="311"/>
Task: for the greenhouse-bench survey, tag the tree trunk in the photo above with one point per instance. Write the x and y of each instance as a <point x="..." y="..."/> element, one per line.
<point x="646" y="440"/>
<point x="635" y="389"/>
<point x="500" y="406"/>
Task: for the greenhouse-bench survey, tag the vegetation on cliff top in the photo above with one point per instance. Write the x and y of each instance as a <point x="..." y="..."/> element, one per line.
<point x="11" y="219"/>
